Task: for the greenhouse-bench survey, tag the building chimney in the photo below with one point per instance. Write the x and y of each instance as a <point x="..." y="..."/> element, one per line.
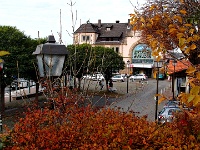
<point x="117" y="21"/>
<point x="129" y="25"/>
<point x="99" y="23"/>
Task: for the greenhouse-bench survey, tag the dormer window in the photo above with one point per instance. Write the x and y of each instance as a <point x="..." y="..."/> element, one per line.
<point x="109" y="27"/>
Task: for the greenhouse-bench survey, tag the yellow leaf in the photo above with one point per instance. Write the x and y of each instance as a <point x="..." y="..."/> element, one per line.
<point x="181" y="41"/>
<point x="142" y="19"/>
<point x="188" y="25"/>
<point x="161" y="99"/>
<point x="198" y="75"/>
<point x="149" y="37"/>
<point x="155" y="53"/>
<point x="152" y="7"/>
<point x="183" y="12"/>
<point x="189" y="39"/>
<point x="187" y="50"/>
<point x="191" y="69"/>
<point x="193" y="46"/>
<point x="196" y="100"/>
<point x="157" y="18"/>
<point x="134" y="28"/>
<point x="190" y="98"/>
<point x="180" y="35"/>
<point x="153" y="43"/>
<point x="195" y="37"/>
<point x="195" y="90"/>
<point x="183" y="97"/>
<point x="191" y="31"/>
<point x="178" y="18"/>
<point x="3" y="53"/>
<point x="182" y="29"/>
<point x="172" y="30"/>
<point x="132" y="15"/>
<point x="171" y="26"/>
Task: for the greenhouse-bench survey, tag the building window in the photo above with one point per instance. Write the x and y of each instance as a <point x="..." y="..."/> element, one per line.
<point x="117" y="49"/>
<point x="85" y="38"/>
<point x="142" y="54"/>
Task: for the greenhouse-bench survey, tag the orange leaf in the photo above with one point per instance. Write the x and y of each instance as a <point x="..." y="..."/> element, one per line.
<point x="188" y="25"/>
<point x="191" y="69"/>
<point x="183" y="12"/>
<point x="161" y="99"/>
<point x="182" y="29"/>
<point x="193" y="46"/>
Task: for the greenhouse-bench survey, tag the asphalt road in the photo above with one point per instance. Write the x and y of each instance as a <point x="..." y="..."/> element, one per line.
<point x="139" y="99"/>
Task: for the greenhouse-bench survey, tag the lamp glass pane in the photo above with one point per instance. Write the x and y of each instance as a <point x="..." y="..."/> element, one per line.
<point x="53" y="64"/>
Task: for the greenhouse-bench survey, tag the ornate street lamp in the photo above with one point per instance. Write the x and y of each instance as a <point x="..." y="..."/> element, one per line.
<point x="50" y="58"/>
<point x="159" y="64"/>
<point x="128" y="63"/>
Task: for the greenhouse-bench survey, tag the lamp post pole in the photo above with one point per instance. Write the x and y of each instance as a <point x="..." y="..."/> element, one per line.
<point x="2" y="99"/>
<point x="173" y="78"/>
<point x="128" y="63"/>
<point x="156" y="111"/>
<point x="2" y="106"/>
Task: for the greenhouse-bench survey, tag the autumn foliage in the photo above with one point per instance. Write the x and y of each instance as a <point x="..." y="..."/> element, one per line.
<point x="71" y="125"/>
<point x="166" y="25"/>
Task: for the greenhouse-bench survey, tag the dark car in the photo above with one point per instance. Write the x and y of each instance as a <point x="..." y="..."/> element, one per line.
<point x="161" y="76"/>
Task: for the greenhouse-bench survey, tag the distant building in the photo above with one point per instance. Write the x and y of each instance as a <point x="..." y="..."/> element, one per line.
<point x="123" y="40"/>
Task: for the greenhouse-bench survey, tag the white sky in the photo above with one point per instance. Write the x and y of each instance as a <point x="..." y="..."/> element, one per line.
<point x="31" y="16"/>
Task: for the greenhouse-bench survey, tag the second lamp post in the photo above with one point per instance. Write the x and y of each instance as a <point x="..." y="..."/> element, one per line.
<point x="127" y="76"/>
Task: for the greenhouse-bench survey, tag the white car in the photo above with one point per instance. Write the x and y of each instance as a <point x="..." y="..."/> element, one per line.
<point x="97" y="77"/>
<point x="138" y="77"/>
<point x="167" y="114"/>
<point x="118" y="77"/>
<point x="87" y="77"/>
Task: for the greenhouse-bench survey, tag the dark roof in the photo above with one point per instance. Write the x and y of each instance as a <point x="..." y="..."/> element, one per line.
<point x="117" y="30"/>
<point x="87" y="28"/>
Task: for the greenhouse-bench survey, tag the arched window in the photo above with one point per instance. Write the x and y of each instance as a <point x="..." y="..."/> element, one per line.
<point x="142" y="54"/>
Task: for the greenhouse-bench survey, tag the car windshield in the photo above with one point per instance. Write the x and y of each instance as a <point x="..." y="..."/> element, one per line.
<point x="117" y="76"/>
<point x="162" y="111"/>
<point x="171" y="111"/>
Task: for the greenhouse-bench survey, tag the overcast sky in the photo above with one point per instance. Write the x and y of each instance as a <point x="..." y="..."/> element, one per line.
<point x="31" y="16"/>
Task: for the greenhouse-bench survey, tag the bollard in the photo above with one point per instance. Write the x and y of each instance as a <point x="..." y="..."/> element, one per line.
<point x="1" y="128"/>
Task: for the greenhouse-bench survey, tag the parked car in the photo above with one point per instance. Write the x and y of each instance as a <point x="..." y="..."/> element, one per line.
<point x="167" y="114"/>
<point x="138" y="77"/>
<point x="172" y="103"/>
<point x="87" y="77"/>
<point x="118" y="77"/>
<point x="161" y="76"/>
<point x="22" y="83"/>
<point x="97" y="77"/>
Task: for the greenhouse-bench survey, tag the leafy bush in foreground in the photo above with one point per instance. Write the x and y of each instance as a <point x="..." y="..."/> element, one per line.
<point x="70" y="126"/>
